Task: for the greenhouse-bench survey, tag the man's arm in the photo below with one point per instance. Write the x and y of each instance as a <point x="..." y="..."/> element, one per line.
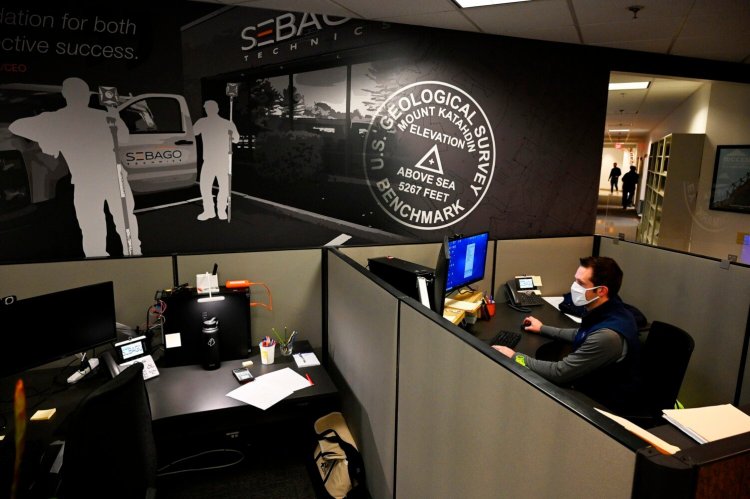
<point x="567" y="334"/>
<point x="601" y="348"/>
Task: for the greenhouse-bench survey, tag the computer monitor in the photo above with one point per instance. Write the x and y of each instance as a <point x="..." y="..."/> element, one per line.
<point x="38" y="330"/>
<point x="440" y="276"/>
<point x="467" y="257"/>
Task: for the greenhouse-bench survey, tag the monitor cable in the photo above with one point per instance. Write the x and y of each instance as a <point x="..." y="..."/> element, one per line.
<point x="161" y="471"/>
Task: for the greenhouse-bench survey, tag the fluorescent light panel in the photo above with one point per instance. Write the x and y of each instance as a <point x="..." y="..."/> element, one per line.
<point x="632" y="85"/>
<point x="614" y="130"/>
<point x="464" y="4"/>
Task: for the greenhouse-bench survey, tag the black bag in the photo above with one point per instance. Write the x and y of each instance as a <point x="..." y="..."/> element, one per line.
<point x="337" y="459"/>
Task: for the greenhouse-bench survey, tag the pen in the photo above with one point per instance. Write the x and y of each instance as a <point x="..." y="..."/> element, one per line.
<point x="307" y="375"/>
<point x="301" y="358"/>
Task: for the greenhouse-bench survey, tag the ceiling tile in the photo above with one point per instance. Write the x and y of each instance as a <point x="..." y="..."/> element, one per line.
<point x="316" y="6"/>
<point x="613" y="11"/>
<point x="537" y="15"/>
<point x="640" y="29"/>
<point x="369" y="9"/>
<point x="449" y="20"/>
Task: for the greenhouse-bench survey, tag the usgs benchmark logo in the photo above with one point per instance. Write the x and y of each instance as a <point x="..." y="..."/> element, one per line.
<point x="429" y="155"/>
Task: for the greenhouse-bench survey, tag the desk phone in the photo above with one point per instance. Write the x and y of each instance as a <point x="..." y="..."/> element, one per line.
<point x="129" y="351"/>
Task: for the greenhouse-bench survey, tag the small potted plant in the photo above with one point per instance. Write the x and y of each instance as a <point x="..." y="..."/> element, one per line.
<point x="286" y="342"/>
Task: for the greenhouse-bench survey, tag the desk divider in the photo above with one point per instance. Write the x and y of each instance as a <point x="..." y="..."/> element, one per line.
<point x="293" y="276"/>
<point x="362" y="354"/>
<point x="435" y="415"/>
<point x="135" y="281"/>
<point x="471" y="427"/>
<point x="696" y="294"/>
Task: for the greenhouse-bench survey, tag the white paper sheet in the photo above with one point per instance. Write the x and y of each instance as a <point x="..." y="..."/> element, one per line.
<point x="270" y="388"/>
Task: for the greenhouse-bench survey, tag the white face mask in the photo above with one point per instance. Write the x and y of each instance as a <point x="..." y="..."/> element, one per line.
<point x="578" y="294"/>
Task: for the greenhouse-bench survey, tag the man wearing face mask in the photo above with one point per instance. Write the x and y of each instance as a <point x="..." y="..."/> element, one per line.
<point x="604" y="361"/>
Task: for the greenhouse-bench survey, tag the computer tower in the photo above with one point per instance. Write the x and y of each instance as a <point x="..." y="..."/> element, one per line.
<point x="184" y="315"/>
<point x="403" y="275"/>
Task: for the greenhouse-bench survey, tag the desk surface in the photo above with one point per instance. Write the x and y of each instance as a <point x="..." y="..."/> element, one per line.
<point x="185" y="390"/>
<point x="533" y="344"/>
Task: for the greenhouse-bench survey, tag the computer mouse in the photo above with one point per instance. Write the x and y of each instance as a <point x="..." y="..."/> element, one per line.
<point x="526" y="322"/>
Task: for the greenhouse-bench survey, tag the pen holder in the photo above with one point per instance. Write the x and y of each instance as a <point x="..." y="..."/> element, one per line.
<point x="490" y="309"/>
<point x="266" y="354"/>
<point x="286" y="349"/>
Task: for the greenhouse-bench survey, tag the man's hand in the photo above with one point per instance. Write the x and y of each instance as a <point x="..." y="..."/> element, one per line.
<point x="504" y="350"/>
<point x="532" y="324"/>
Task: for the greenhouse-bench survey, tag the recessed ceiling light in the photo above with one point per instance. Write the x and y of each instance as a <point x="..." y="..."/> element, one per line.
<point x="464" y="4"/>
<point x="614" y="130"/>
<point x="633" y="85"/>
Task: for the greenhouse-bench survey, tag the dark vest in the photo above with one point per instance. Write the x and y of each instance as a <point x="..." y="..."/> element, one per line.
<point x="615" y="385"/>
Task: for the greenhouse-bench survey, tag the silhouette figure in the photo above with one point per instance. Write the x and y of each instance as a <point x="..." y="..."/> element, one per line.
<point x="217" y="134"/>
<point x="614" y="176"/>
<point x="83" y="136"/>
<point x="629" y="181"/>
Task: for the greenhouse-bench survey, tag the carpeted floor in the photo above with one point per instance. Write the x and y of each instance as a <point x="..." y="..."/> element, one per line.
<point x="277" y="475"/>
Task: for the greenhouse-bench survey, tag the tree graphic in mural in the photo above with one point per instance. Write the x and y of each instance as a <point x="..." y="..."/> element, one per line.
<point x="387" y="77"/>
<point x="255" y="105"/>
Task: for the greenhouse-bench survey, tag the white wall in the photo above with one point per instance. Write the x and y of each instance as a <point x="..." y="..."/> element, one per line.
<point x="721" y="110"/>
<point x="714" y="233"/>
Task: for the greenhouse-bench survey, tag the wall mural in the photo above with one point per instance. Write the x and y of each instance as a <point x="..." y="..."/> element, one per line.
<point x="284" y="130"/>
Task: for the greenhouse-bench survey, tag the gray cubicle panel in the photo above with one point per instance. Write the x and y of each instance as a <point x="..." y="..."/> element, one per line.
<point x="700" y="296"/>
<point x="469" y="426"/>
<point x="362" y="348"/>
<point x="293" y="277"/>
<point x="422" y="254"/>
<point x="135" y="281"/>
<point x="554" y="259"/>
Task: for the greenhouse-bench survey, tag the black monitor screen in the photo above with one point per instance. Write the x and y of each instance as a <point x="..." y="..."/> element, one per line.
<point x="38" y="330"/>
<point x="467" y="256"/>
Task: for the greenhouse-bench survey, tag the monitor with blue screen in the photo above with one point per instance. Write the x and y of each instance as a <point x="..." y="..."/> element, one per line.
<point x="467" y="256"/>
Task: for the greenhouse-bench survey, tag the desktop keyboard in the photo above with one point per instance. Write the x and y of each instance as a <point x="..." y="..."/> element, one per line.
<point x="149" y="366"/>
<point x="506" y="338"/>
<point x="529" y="299"/>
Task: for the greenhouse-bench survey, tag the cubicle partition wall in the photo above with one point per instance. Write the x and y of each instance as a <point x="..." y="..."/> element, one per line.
<point x="708" y="299"/>
<point x="470" y="425"/>
<point x="554" y="259"/>
<point x="135" y="281"/>
<point x="362" y="354"/>
<point x="436" y="413"/>
<point x="293" y="277"/>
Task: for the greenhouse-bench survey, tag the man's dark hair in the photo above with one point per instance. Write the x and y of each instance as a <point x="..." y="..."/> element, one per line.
<point x="604" y="272"/>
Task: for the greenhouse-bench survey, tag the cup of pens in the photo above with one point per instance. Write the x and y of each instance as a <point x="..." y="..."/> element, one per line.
<point x="286" y="342"/>
<point x="267" y="348"/>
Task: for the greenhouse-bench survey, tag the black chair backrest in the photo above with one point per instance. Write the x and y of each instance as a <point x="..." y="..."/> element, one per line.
<point x="664" y="360"/>
<point x="109" y="445"/>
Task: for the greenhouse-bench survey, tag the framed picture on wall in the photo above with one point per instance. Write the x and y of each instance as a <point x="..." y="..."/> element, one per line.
<point x="730" y="190"/>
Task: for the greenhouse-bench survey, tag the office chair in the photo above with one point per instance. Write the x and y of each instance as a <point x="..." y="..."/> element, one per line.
<point x="665" y="355"/>
<point x="109" y="446"/>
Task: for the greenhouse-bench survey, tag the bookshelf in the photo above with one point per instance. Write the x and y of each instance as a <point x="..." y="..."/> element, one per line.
<point x="668" y="206"/>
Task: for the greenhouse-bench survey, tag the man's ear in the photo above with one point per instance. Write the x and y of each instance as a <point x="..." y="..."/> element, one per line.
<point x="602" y="291"/>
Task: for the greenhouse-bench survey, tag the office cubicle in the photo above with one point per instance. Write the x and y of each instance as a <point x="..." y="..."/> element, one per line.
<point x="437" y="413"/>
<point x="294" y="278"/>
<point x="707" y="298"/>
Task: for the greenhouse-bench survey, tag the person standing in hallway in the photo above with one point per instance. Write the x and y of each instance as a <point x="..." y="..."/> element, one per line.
<point x="614" y="176"/>
<point x="629" y="181"/>
<point x="218" y="134"/>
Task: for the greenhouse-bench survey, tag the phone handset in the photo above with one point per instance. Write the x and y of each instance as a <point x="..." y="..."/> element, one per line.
<point x="512" y="292"/>
<point x="112" y="366"/>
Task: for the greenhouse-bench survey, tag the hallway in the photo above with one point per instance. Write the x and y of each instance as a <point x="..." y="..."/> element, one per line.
<point x="612" y="220"/>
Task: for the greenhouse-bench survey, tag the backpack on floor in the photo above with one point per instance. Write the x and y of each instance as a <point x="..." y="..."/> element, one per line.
<point x="337" y="459"/>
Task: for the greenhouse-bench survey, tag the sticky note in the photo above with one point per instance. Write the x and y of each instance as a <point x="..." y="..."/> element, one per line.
<point x="172" y="340"/>
<point x="43" y="414"/>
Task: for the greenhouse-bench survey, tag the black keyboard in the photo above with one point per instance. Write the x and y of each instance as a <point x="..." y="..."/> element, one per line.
<point x="529" y="300"/>
<point x="506" y="338"/>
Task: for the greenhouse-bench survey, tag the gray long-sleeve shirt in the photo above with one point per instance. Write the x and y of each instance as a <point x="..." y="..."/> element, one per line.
<point x="601" y="347"/>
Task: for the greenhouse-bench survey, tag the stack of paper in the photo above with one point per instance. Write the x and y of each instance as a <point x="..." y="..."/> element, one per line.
<point x="270" y="388"/>
<point x="706" y="424"/>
